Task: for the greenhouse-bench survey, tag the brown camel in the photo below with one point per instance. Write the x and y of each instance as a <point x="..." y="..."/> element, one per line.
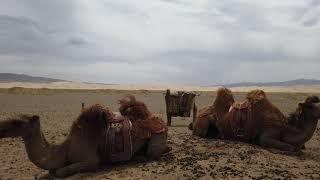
<point x="258" y="121"/>
<point x="88" y="144"/>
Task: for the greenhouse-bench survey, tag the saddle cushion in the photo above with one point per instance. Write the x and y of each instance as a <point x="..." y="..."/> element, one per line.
<point x="119" y="141"/>
<point x="121" y="132"/>
<point x="239" y="118"/>
<point x="144" y="129"/>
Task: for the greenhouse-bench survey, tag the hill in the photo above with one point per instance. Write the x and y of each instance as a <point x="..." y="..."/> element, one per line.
<point x="297" y="82"/>
<point x="10" y="77"/>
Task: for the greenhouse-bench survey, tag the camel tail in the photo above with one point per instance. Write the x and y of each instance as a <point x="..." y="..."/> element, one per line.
<point x="190" y="126"/>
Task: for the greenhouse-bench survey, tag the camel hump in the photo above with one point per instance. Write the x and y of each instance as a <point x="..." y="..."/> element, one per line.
<point x="223" y="92"/>
<point x="256" y="95"/>
<point x="224" y="98"/>
<point x="92" y="120"/>
<point x="134" y="109"/>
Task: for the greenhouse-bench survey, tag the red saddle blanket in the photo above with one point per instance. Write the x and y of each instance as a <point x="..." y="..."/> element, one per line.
<point x="239" y="118"/>
<point x="121" y="133"/>
<point x="119" y="141"/>
<point x="144" y="129"/>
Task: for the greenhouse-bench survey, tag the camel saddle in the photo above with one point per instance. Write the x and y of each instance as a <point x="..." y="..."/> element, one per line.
<point x="118" y="137"/>
<point x="241" y="115"/>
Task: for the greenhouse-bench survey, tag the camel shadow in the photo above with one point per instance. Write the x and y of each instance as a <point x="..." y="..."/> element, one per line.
<point x="112" y="169"/>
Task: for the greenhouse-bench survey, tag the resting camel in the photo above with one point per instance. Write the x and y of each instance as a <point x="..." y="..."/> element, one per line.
<point x="90" y="143"/>
<point x="257" y="121"/>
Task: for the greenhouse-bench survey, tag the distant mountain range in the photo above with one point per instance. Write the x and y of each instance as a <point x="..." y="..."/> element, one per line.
<point x="306" y="82"/>
<point x="10" y="77"/>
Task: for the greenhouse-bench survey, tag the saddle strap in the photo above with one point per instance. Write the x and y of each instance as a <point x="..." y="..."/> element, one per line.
<point x="242" y="113"/>
<point x="119" y="142"/>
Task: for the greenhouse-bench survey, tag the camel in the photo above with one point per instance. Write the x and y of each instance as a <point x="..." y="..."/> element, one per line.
<point x="257" y="121"/>
<point x="87" y="146"/>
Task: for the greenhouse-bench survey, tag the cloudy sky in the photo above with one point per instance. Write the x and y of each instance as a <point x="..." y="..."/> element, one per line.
<point x="196" y="42"/>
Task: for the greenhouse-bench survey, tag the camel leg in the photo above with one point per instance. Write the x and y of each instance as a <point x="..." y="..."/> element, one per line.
<point x="269" y="139"/>
<point x="157" y="146"/>
<point x="201" y="128"/>
<point x="76" y="168"/>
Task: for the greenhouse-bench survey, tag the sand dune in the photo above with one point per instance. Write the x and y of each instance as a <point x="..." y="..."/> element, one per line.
<point x="80" y="85"/>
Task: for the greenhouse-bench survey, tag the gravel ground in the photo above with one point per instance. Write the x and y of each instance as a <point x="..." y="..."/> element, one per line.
<point x="190" y="158"/>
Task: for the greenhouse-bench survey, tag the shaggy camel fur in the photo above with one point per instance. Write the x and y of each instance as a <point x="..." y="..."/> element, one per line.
<point x="145" y="125"/>
<point x="85" y="147"/>
<point x="266" y="126"/>
<point x="206" y="117"/>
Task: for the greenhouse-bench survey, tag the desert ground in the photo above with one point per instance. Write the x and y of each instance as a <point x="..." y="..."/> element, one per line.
<point x="190" y="158"/>
<point x="161" y="87"/>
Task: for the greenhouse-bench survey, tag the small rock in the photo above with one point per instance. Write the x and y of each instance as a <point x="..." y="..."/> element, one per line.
<point x="315" y="176"/>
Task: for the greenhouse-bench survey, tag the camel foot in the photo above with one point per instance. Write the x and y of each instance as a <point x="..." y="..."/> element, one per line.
<point x="45" y="176"/>
<point x="76" y="168"/>
<point x="289" y="153"/>
<point x="294" y="153"/>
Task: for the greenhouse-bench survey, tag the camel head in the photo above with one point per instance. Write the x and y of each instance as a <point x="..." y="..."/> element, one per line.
<point x="133" y="109"/>
<point x="310" y="107"/>
<point x="19" y="127"/>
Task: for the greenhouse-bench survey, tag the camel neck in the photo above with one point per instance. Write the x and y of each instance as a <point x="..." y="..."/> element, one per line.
<point x="43" y="154"/>
<point x="307" y="126"/>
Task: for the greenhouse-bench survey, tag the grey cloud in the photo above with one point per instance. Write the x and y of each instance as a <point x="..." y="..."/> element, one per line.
<point x="315" y="3"/>
<point x="18" y="22"/>
<point x="311" y="22"/>
<point x="246" y="15"/>
<point x="124" y="9"/>
<point x="20" y="36"/>
<point x="302" y="14"/>
<point x="180" y="2"/>
<point x="77" y="41"/>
